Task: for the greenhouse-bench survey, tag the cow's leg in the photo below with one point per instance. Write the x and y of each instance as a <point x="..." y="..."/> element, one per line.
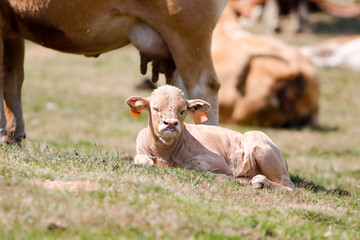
<point x="196" y="76"/>
<point x="2" y="79"/>
<point x="299" y="16"/>
<point x="272" y="15"/>
<point x="267" y="157"/>
<point x="189" y="41"/>
<point x="206" y="89"/>
<point x="12" y="84"/>
<point x="260" y="182"/>
<point x="143" y="160"/>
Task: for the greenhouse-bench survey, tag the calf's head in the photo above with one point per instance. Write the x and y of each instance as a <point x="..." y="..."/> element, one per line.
<point x="167" y="110"/>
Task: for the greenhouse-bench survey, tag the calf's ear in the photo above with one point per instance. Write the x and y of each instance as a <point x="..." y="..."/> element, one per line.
<point x="200" y="108"/>
<point x="137" y="104"/>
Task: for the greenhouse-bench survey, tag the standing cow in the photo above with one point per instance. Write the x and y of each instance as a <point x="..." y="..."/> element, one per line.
<point x="298" y="10"/>
<point x="172" y="34"/>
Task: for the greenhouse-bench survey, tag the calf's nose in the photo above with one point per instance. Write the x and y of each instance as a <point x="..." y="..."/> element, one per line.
<point x="171" y="122"/>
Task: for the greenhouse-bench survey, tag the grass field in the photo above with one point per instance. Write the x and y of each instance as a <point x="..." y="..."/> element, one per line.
<point x="73" y="177"/>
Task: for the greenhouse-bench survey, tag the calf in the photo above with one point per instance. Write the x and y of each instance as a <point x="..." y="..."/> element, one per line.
<point x="251" y="158"/>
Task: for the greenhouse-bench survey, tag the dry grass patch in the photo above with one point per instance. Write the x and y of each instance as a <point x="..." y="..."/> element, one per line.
<point x="134" y="201"/>
<point x="66" y="185"/>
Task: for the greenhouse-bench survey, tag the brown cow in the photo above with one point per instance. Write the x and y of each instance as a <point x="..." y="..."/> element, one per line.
<point x="263" y="80"/>
<point x="167" y="32"/>
<point x="250" y="158"/>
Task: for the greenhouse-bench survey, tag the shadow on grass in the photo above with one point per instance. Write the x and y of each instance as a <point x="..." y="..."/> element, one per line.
<point x="146" y="84"/>
<point x="336" y="25"/>
<point x="309" y="185"/>
<point x="322" y="128"/>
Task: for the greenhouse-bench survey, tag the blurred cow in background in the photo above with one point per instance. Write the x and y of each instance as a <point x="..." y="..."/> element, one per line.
<point x="272" y="10"/>
<point x="263" y="81"/>
<point x="341" y="52"/>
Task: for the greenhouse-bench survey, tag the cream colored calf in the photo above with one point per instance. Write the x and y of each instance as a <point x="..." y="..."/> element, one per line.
<point x="167" y="141"/>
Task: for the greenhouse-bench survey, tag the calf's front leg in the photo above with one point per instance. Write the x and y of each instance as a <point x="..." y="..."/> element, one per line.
<point x="143" y="159"/>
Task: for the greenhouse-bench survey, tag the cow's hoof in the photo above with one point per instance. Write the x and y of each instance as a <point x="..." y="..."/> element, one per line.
<point x="8" y="139"/>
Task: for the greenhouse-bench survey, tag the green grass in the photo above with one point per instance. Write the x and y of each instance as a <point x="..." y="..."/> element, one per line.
<point x="74" y="178"/>
<point x="134" y="201"/>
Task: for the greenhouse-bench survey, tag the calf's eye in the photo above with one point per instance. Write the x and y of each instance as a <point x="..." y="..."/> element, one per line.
<point x="155" y="109"/>
<point x="182" y="112"/>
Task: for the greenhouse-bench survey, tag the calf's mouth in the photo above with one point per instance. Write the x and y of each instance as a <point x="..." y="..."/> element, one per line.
<point x="169" y="127"/>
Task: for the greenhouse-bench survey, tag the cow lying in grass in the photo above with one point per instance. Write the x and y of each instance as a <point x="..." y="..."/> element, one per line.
<point x="343" y="52"/>
<point x="263" y="80"/>
<point x="251" y="158"/>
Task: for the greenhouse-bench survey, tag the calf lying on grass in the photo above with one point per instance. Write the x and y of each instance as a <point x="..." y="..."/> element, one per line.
<point x="250" y="158"/>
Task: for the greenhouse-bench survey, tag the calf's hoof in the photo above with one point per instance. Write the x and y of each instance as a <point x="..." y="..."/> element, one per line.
<point x="258" y="182"/>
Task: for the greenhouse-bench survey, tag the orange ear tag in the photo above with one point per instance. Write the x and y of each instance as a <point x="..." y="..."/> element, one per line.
<point x="199" y="117"/>
<point x="135" y="114"/>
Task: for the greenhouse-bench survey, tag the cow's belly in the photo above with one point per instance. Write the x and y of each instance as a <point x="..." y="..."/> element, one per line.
<point x="68" y="26"/>
<point x="81" y="38"/>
